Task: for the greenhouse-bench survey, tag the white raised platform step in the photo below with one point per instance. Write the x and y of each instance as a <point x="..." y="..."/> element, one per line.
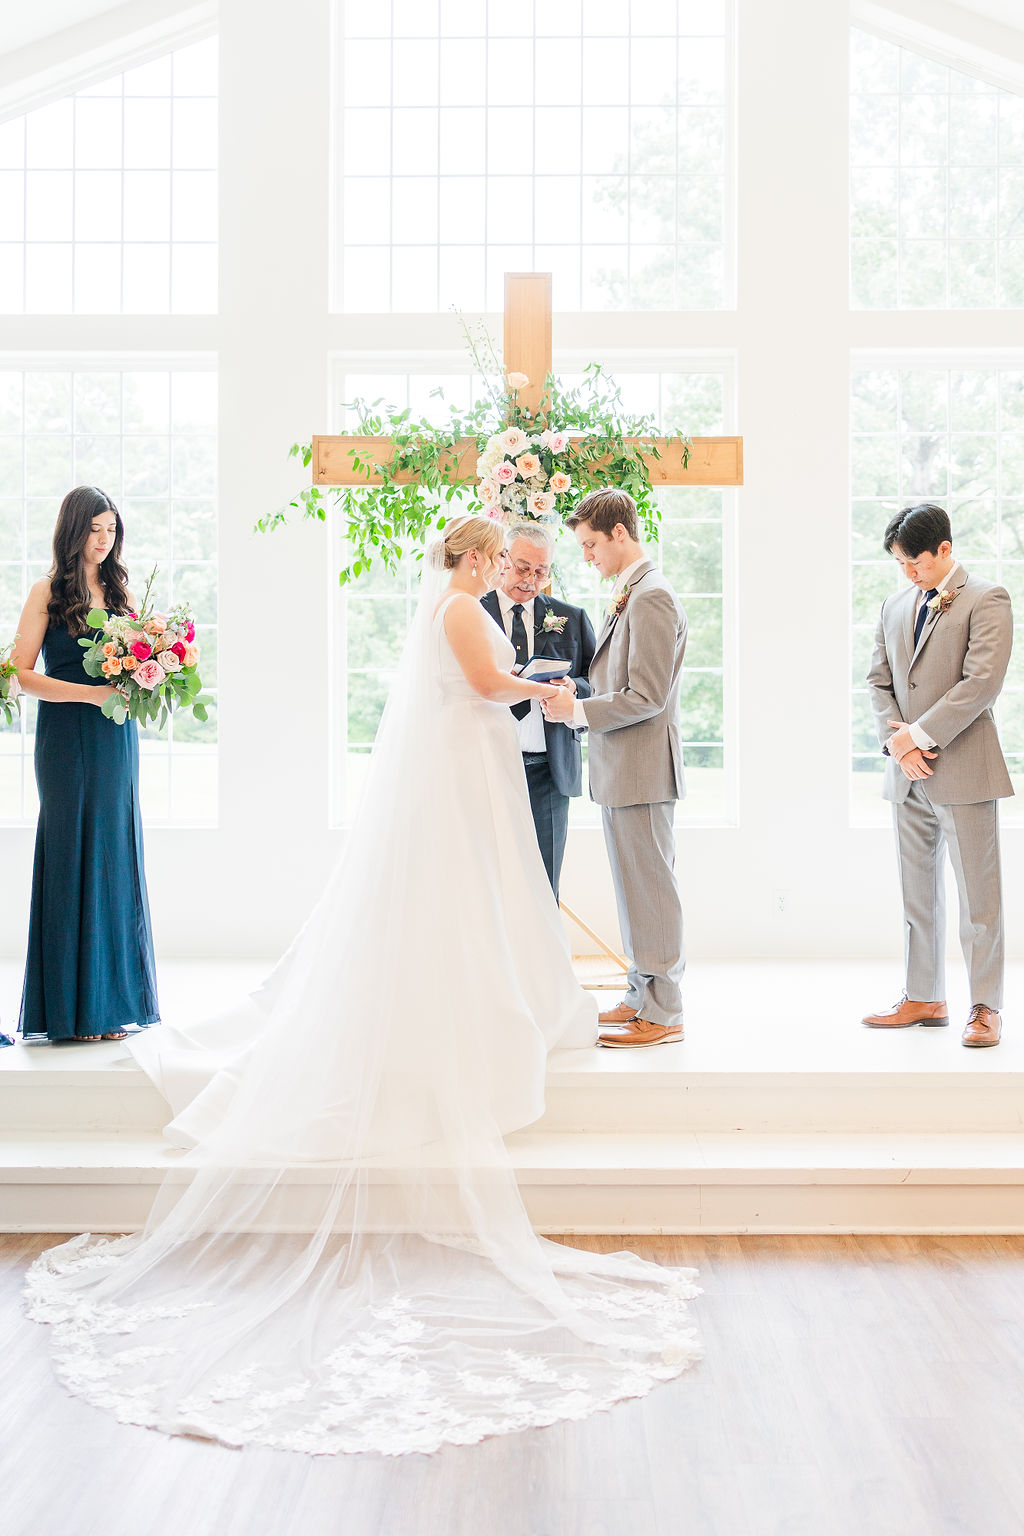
<point x="610" y="1182"/>
<point x="778" y="1113"/>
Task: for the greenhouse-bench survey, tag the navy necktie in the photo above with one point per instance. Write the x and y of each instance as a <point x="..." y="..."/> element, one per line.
<point x="522" y="709"/>
<point x="922" y="614"/>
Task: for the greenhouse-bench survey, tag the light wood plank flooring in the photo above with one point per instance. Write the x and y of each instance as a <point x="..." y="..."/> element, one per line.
<point x="853" y="1386"/>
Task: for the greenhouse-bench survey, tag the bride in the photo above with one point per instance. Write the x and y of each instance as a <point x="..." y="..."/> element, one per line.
<point x="340" y="1260"/>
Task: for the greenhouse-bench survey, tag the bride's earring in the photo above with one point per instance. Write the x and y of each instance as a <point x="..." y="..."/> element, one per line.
<point x="474" y="572"/>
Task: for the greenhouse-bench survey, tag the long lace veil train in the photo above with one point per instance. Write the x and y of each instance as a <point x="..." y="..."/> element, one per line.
<point x="342" y="1260"/>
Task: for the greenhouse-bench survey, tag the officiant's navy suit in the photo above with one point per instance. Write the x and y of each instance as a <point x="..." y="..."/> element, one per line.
<point x="555" y="775"/>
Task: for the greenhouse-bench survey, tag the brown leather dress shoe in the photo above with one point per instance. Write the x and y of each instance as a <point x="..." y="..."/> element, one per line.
<point x="622" y="1013"/>
<point x="984" y="1027"/>
<point x="907" y="1012"/>
<point x="640" y="1032"/>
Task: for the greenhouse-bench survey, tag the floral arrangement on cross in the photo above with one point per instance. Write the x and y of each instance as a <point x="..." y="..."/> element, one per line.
<point x="533" y="466"/>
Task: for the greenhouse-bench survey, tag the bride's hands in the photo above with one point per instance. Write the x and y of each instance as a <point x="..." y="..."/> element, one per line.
<point x="560" y="705"/>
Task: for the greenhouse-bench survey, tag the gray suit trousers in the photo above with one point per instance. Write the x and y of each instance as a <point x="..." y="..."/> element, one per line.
<point x="641" y="851"/>
<point x="971" y="833"/>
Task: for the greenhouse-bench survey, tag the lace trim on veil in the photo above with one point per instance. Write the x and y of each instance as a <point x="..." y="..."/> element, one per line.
<point x="382" y="1392"/>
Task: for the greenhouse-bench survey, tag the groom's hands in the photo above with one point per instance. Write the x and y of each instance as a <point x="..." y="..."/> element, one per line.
<point x="560" y="706"/>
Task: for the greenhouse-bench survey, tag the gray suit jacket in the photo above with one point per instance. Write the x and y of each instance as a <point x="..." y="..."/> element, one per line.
<point x="635" y="755"/>
<point x="949" y="683"/>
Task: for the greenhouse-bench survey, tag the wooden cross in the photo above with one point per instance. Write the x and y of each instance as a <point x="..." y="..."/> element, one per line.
<point x="713" y="460"/>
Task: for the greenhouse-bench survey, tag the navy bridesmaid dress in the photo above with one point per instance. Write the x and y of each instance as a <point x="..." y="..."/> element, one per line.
<point x="90" y="967"/>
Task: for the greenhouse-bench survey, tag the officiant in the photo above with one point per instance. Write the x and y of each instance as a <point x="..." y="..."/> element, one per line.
<point x="541" y="625"/>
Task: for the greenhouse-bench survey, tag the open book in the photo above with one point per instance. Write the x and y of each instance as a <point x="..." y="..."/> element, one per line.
<point x="542" y="669"/>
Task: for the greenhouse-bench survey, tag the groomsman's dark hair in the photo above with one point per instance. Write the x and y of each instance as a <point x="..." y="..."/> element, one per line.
<point x="603" y="508"/>
<point x="917" y="529"/>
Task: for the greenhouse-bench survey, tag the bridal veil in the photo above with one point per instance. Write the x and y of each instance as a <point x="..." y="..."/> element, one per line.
<point x="340" y="1260"/>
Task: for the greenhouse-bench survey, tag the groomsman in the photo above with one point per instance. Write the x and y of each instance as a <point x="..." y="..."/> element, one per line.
<point x="636" y="762"/>
<point x="941" y="653"/>
<point x="540" y="625"/>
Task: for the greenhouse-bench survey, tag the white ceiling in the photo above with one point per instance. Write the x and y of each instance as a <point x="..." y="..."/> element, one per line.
<point x="22" y="24"/>
<point x="1009" y="12"/>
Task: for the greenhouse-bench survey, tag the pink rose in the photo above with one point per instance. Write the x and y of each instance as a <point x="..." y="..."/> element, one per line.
<point x="488" y="492"/>
<point x="190" y="632"/>
<point x="169" y="661"/>
<point x="528" y="465"/>
<point x="512" y="439"/>
<point x="556" y="441"/>
<point x="13" y="686"/>
<point x="141" y="651"/>
<point x="504" y="473"/>
<point x="149" y="674"/>
<point x="179" y="650"/>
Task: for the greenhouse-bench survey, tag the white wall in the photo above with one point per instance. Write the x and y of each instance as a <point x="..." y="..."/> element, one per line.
<point x="243" y="888"/>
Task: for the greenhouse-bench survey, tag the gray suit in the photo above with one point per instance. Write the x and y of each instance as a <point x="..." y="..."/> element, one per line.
<point x="948" y="683"/>
<point x="636" y="776"/>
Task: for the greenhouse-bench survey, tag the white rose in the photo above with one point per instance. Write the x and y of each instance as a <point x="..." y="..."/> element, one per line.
<point x="518" y="380"/>
<point x="541" y="502"/>
<point x="169" y="661"/>
<point x="513" y="440"/>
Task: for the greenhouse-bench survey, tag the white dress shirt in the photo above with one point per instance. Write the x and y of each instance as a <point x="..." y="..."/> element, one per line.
<point x="530" y="729"/>
<point x="622" y="580"/>
<point x="918" y="735"/>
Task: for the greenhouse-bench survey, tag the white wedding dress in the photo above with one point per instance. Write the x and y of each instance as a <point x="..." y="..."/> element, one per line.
<point x="342" y="1261"/>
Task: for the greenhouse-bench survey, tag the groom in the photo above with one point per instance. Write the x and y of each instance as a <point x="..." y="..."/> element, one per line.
<point x="539" y="625"/>
<point x="636" y="762"/>
<point x="940" y="657"/>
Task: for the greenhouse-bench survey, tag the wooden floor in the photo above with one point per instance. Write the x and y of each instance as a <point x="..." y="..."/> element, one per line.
<point x="853" y="1386"/>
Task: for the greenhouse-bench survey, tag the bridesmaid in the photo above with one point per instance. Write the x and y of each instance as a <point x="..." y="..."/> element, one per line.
<point x="89" y="972"/>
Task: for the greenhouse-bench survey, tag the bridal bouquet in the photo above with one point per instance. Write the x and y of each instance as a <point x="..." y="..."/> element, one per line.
<point x="10" y="688"/>
<point x="150" y="658"/>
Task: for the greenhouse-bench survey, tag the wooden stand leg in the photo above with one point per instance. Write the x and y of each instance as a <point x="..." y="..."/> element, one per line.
<point x="612" y="954"/>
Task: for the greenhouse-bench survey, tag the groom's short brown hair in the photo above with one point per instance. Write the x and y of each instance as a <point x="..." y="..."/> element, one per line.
<point x="603" y="508"/>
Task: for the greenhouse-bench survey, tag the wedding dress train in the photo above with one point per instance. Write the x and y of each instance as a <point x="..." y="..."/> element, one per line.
<point x="341" y="1260"/>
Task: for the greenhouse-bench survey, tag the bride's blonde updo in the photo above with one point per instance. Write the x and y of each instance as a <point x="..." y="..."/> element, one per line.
<point x="483" y="534"/>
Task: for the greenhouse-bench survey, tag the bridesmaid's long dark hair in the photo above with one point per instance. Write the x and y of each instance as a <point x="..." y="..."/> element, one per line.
<point x="70" y="599"/>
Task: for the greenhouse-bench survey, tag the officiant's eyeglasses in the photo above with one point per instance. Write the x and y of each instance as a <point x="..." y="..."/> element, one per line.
<point x="524" y="568"/>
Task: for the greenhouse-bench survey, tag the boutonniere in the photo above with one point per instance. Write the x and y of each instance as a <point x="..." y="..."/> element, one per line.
<point x="615" y="607"/>
<point x="554" y="623"/>
<point x="941" y="601"/>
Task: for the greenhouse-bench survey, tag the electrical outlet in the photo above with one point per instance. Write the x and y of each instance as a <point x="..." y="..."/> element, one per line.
<point x="781" y="903"/>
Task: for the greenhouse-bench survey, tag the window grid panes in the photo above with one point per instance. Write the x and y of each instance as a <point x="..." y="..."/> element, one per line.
<point x="954" y="436"/>
<point x="147" y="437"/>
<point x="370" y="618"/>
<point x="108" y="198"/>
<point x="936" y="184"/>
<point x="579" y="137"/>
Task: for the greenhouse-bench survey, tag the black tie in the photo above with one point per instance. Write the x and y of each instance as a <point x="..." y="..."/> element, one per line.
<point x="522" y="709"/>
<point x="922" y="615"/>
